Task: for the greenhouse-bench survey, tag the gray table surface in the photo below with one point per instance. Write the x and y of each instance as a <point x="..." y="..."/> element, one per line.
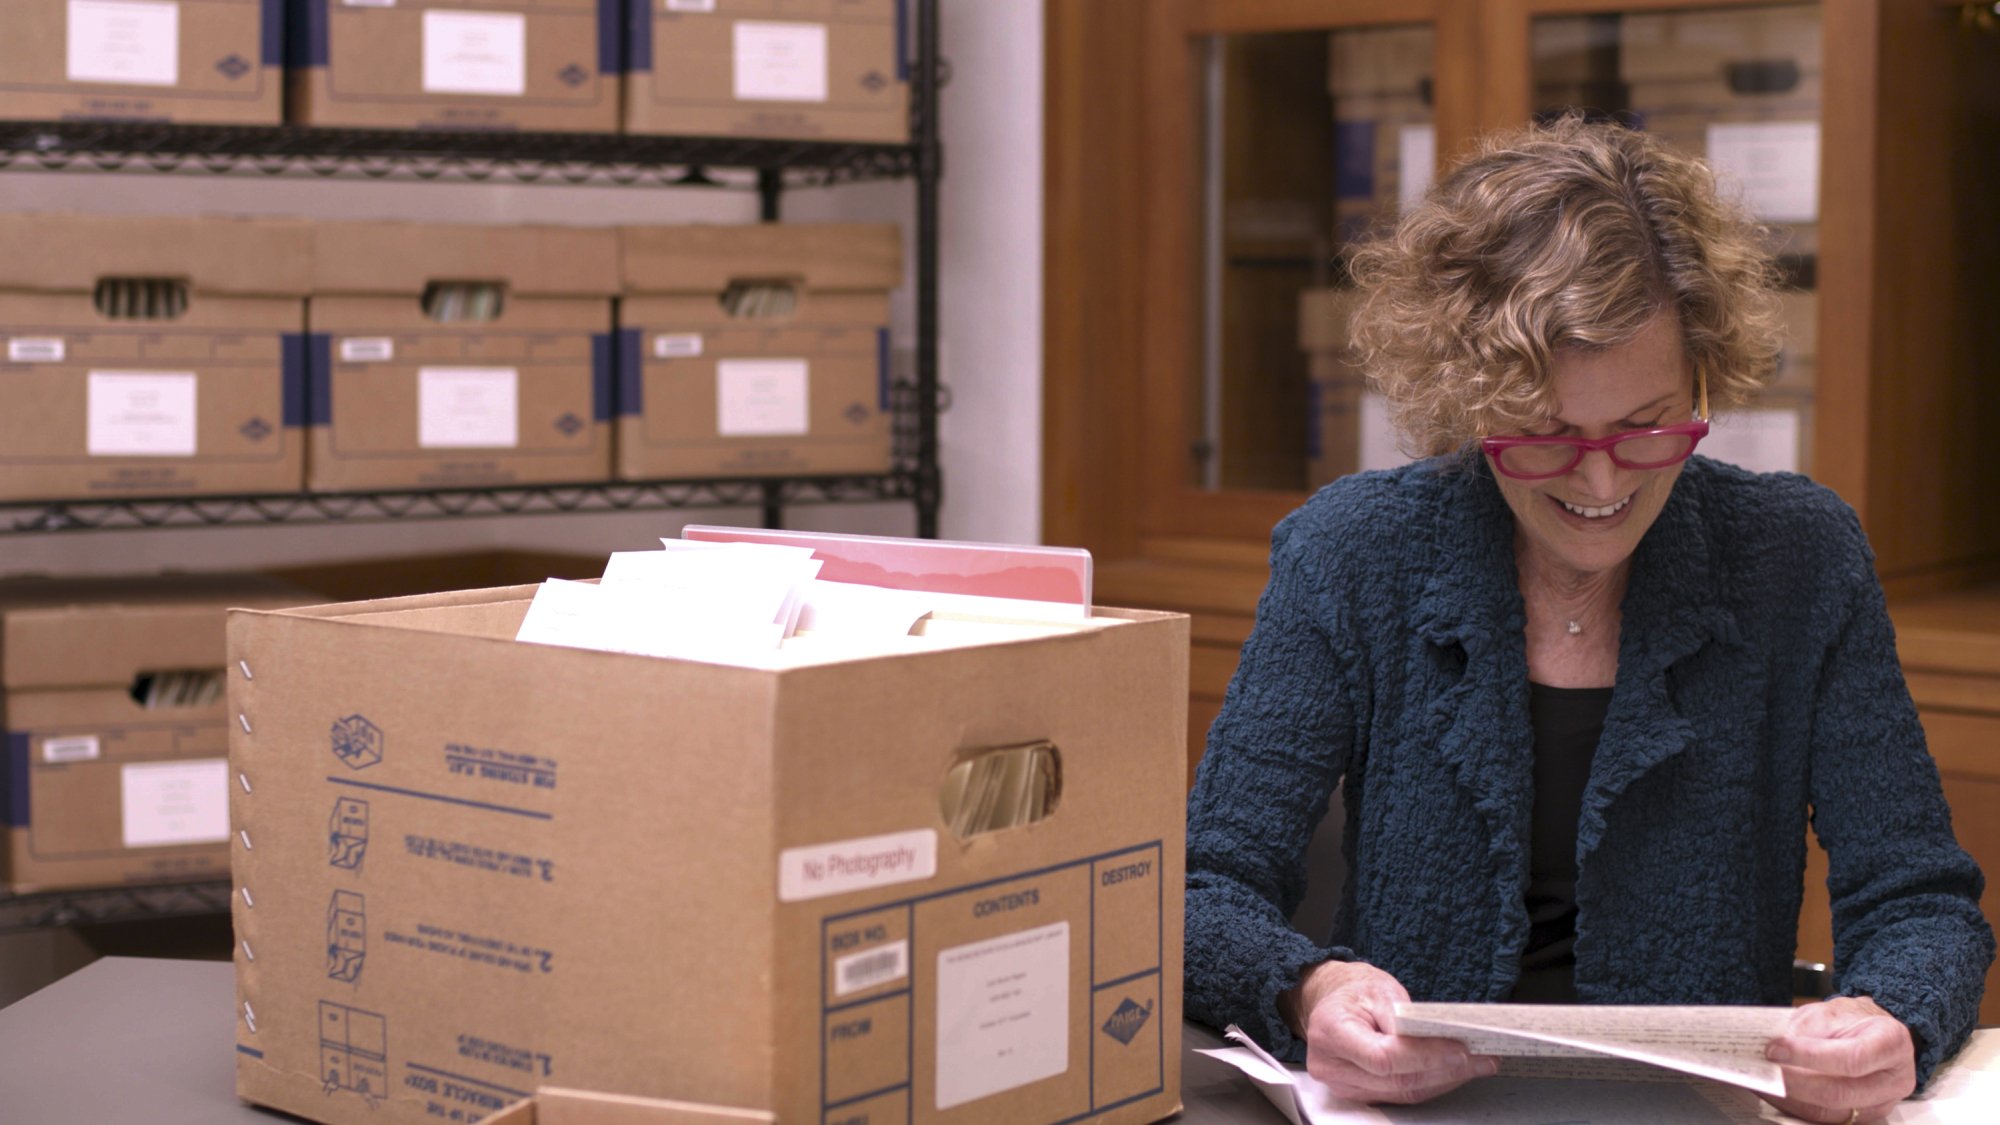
<point x="128" y="1041"/>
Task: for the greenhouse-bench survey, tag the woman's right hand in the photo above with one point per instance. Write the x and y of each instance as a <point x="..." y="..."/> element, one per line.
<point x="1346" y="1010"/>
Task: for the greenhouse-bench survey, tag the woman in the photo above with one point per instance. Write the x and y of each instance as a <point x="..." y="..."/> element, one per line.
<point x="1581" y="690"/>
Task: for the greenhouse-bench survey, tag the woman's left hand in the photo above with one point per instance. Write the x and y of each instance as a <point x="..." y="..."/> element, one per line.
<point x="1845" y="1060"/>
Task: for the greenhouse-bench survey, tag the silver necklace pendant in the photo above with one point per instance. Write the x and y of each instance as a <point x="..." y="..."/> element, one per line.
<point x="1574" y="628"/>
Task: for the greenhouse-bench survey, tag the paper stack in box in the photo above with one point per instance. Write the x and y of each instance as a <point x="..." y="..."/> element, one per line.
<point x="773" y="873"/>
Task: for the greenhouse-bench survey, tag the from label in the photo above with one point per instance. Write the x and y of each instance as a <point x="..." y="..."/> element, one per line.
<point x="468" y="407"/>
<point x="677" y="345"/>
<point x="1003" y="1013"/>
<point x="36" y="349"/>
<point x="475" y="53"/>
<point x="367" y="349"/>
<point x="71" y="748"/>
<point x="175" y="802"/>
<point x="855" y="865"/>
<point x="1774" y="164"/>
<point x="780" y="62"/>
<point x="141" y="414"/>
<point x="126" y="42"/>
<point x="761" y="397"/>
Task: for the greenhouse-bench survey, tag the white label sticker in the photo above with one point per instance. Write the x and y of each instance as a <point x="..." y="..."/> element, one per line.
<point x="1380" y="447"/>
<point x="127" y="42"/>
<point x="870" y="967"/>
<point x="70" y="748"/>
<point x="1762" y="441"/>
<point x="780" y="62"/>
<point x="36" y="349"/>
<point x="690" y="5"/>
<point x="760" y="397"/>
<point x="678" y="345"/>
<point x="1416" y="163"/>
<point x="367" y="349"/>
<point x="1003" y="1013"/>
<point x="468" y="407"/>
<point x="856" y="865"/>
<point x="475" y="52"/>
<point x="1775" y="165"/>
<point x="369" y="3"/>
<point x="175" y="802"/>
<point x="141" y="414"/>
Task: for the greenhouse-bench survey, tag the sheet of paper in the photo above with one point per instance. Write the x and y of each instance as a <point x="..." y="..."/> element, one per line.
<point x="1302" y="1099"/>
<point x="124" y="42"/>
<point x="844" y="607"/>
<point x="1725" y="1044"/>
<point x="140" y="414"/>
<point x="640" y="622"/>
<point x="761" y="397"/>
<point x="1002" y="1013"/>
<point x="168" y="803"/>
<point x="475" y="53"/>
<point x="780" y="62"/>
<point x="468" y="407"/>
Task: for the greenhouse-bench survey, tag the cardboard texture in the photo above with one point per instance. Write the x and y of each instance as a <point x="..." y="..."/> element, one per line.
<point x="468" y="864"/>
<point x="554" y="1106"/>
<point x="1334" y="385"/>
<point x="400" y="399"/>
<point x="97" y="788"/>
<point x="97" y="404"/>
<point x="704" y="392"/>
<point x="189" y="61"/>
<point x="544" y="65"/>
<point x="822" y="70"/>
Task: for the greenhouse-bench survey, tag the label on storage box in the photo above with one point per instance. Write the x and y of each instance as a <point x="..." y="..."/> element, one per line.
<point x="367" y="349"/>
<point x="70" y="748"/>
<point x="1416" y="159"/>
<point x="468" y="407"/>
<point x="1775" y="164"/>
<point x="780" y="62"/>
<point x="690" y="5"/>
<point x="856" y="865"/>
<point x="1002" y="1013"/>
<point x="36" y="349"/>
<point x="1763" y="441"/>
<point x="175" y="802"/>
<point x="475" y="53"/>
<point x="127" y="42"/>
<point x="677" y="345"/>
<point x="760" y="397"/>
<point x="141" y="414"/>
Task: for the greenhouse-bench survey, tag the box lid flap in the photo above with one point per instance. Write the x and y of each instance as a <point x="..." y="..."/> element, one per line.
<point x="65" y="253"/>
<point x="402" y="258"/>
<point x="77" y="632"/>
<point x="705" y="258"/>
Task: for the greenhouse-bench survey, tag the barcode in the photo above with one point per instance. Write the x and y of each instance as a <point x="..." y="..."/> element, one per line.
<point x="35" y="349"/>
<point x="876" y="966"/>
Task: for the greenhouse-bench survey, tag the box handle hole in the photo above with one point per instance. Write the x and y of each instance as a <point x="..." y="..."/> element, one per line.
<point x="182" y="687"/>
<point x="464" y="302"/>
<point x="760" y="298"/>
<point x="140" y="298"/>
<point x="1008" y="787"/>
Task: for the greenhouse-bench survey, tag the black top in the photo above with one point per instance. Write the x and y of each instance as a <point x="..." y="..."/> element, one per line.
<point x="1567" y="724"/>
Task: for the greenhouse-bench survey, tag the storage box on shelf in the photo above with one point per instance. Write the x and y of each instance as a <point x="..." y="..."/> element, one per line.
<point x="489" y="901"/>
<point x="150" y="356"/>
<point x="111" y="698"/>
<point x="447" y="355"/>
<point x="755" y="350"/>
<point x="192" y="61"/>
<point x="1380" y="79"/>
<point x="546" y="65"/>
<point x="804" y="69"/>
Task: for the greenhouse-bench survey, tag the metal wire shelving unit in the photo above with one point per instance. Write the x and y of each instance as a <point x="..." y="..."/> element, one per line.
<point x="770" y="167"/>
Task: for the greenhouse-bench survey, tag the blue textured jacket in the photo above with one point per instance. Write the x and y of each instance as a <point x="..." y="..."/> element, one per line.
<point x="1757" y="685"/>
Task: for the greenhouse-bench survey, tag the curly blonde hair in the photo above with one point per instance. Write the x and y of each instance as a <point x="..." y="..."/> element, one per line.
<point x="1568" y="235"/>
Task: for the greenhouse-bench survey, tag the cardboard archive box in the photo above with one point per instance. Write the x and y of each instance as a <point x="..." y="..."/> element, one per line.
<point x="1380" y="81"/>
<point x="514" y="394"/>
<point x="469" y="865"/>
<point x="150" y="356"/>
<point x="539" y="65"/>
<point x="207" y="61"/>
<point x="1334" y="385"/>
<point x="709" y="386"/>
<point x="821" y="70"/>
<point x="1740" y="87"/>
<point x="99" y="787"/>
<point x="556" y="1106"/>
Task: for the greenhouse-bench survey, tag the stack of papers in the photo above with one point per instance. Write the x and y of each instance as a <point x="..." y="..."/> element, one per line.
<point x="1000" y="789"/>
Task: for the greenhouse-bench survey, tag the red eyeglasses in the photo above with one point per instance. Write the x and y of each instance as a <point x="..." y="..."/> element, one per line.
<point x="1540" y="458"/>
